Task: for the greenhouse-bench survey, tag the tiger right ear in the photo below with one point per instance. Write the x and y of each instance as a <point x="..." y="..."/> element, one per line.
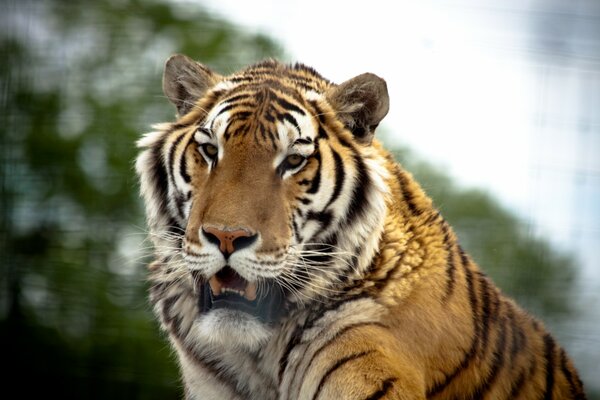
<point x="185" y="81"/>
<point x="360" y="103"/>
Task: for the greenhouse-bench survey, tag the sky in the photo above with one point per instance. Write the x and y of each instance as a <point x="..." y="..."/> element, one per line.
<point x="501" y="95"/>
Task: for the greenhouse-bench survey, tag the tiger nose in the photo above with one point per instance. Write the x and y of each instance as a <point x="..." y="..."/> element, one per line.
<point x="229" y="241"/>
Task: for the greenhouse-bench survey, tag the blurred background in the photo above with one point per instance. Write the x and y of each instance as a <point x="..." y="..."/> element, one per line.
<point x="495" y="108"/>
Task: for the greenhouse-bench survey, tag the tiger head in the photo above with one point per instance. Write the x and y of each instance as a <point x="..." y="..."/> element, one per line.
<point x="266" y="194"/>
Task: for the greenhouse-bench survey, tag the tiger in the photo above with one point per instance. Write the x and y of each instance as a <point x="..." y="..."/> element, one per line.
<point x="296" y="259"/>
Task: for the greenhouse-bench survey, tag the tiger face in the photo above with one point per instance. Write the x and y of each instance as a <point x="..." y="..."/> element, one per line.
<point x="266" y="195"/>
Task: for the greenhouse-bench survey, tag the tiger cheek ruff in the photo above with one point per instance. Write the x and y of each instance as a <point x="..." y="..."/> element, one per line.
<point x="296" y="259"/>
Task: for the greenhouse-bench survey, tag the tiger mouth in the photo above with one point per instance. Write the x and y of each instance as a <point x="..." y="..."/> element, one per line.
<point x="228" y="290"/>
<point x="227" y="282"/>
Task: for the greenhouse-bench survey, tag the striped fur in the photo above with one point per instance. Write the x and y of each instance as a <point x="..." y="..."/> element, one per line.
<point x="378" y="299"/>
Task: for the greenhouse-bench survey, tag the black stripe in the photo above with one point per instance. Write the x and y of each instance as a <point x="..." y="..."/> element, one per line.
<point x="464" y="259"/>
<point x="318" y="313"/>
<point x="517" y="385"/>
<point x="549" y="355"/>
<point x="183" y="168"/>
<point x="234" y="129"/>
<point x="293" y="342"/>
<point x="222" y="374"/>
<point x="289" y="118"/>
<point x="269" y="117"/>
<point x="515" y="342"/>
<point x="406" y="194"/>
<point x="324" y="218"/>
<point x="485" y="312"/>
<point x="497" y="362"/>
<point x="272" y="138"/>
<point x="566" y="372"/>
<point x="450" y="266"/>
<point x="316" y="182"/>
<point x="385" y="388"/>
<point x="241" y="79"/>
<point x="233" y="105"/>
<point x="296" y="231"/>
<point x="159" y="176"/>
<point x="237" y="97"/>
<point x="340" y="174"/>
<point x="241" y="116"/>
<point x="171" y="155"/>
<point x="289" y="106"/>
<point x="179" y="202"/>
<point x="439" y="387"/>
<point x="341" y="362"/>
<point x="179" y="197"/>
<point x="322" y="134"/>
<point x="345" y="143"/>
<point x="160" y="179"/>
<point x="362" y="186"/>
<point x="174" y="321"/>
<point x="262" y="130"/>
<point x="331" y="341"/>
<point x="574" y="383"/>
<point x="318" y="111"/>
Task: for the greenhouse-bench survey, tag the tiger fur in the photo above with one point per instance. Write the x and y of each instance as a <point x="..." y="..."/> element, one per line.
<point x="295" y="259"/>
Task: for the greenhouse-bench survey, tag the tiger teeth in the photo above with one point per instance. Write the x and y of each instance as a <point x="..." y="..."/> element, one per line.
<point x="250" y="291"/>
<point x="225" y="290"/>
<point x="217" y="288"/>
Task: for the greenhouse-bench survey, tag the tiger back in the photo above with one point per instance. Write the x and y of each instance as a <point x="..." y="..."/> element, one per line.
<point x="296" y="259"/>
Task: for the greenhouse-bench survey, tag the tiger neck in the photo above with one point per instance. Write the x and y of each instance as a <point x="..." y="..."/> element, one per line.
<point x="413" y="240"/>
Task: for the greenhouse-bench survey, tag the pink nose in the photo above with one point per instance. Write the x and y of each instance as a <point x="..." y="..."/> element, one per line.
<point x="229" y="241"/>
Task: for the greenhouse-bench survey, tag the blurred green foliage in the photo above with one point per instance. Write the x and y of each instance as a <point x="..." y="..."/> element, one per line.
<point x="79" y="83"/>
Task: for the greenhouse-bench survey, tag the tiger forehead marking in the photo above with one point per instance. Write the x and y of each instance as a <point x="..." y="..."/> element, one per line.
<point x="260" y="116"/>
<point x="295" y="259"/>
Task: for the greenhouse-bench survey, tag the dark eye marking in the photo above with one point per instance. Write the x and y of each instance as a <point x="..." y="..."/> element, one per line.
<point x="303" y="141"/>
<point x="204" y="131"/>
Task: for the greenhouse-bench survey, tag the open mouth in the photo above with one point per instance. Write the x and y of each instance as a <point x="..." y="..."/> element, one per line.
<point x="228" y="290"/>
<point x="227" y="282"/>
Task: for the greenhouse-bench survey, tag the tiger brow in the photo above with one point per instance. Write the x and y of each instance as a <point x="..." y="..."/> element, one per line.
<point x="204" y="131"/>
<point x="303" y="141"/>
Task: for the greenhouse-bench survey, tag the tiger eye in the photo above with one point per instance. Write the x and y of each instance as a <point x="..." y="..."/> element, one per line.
<point x="293" y="160"/>
<point x="210" y="150"/>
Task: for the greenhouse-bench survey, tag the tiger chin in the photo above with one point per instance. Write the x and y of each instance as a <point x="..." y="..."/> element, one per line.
<point x="296" y="259"/>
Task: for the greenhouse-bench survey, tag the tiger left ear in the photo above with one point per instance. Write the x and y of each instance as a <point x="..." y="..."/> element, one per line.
<point x="360" y="103"/>
<point x="185" y="81"/>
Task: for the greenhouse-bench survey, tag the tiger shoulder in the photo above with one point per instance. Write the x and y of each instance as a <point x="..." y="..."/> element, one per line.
<point x="296" y="259"/>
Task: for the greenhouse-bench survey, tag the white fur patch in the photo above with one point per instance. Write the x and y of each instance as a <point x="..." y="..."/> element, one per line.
<point x="312" y="95"/>
<point x="230" y="329"/>
<point x="224" y="86"/>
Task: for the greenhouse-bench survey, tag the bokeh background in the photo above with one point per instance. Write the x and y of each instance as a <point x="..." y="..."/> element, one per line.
<point x="495" y="109"/>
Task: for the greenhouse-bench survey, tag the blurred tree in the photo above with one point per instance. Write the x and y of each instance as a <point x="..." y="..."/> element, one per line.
<point x="79" y="82"/>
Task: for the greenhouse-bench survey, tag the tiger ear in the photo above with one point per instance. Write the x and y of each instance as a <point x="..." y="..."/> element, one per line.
<point x="360" y="103"/>
<point x="185" y="81"/>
